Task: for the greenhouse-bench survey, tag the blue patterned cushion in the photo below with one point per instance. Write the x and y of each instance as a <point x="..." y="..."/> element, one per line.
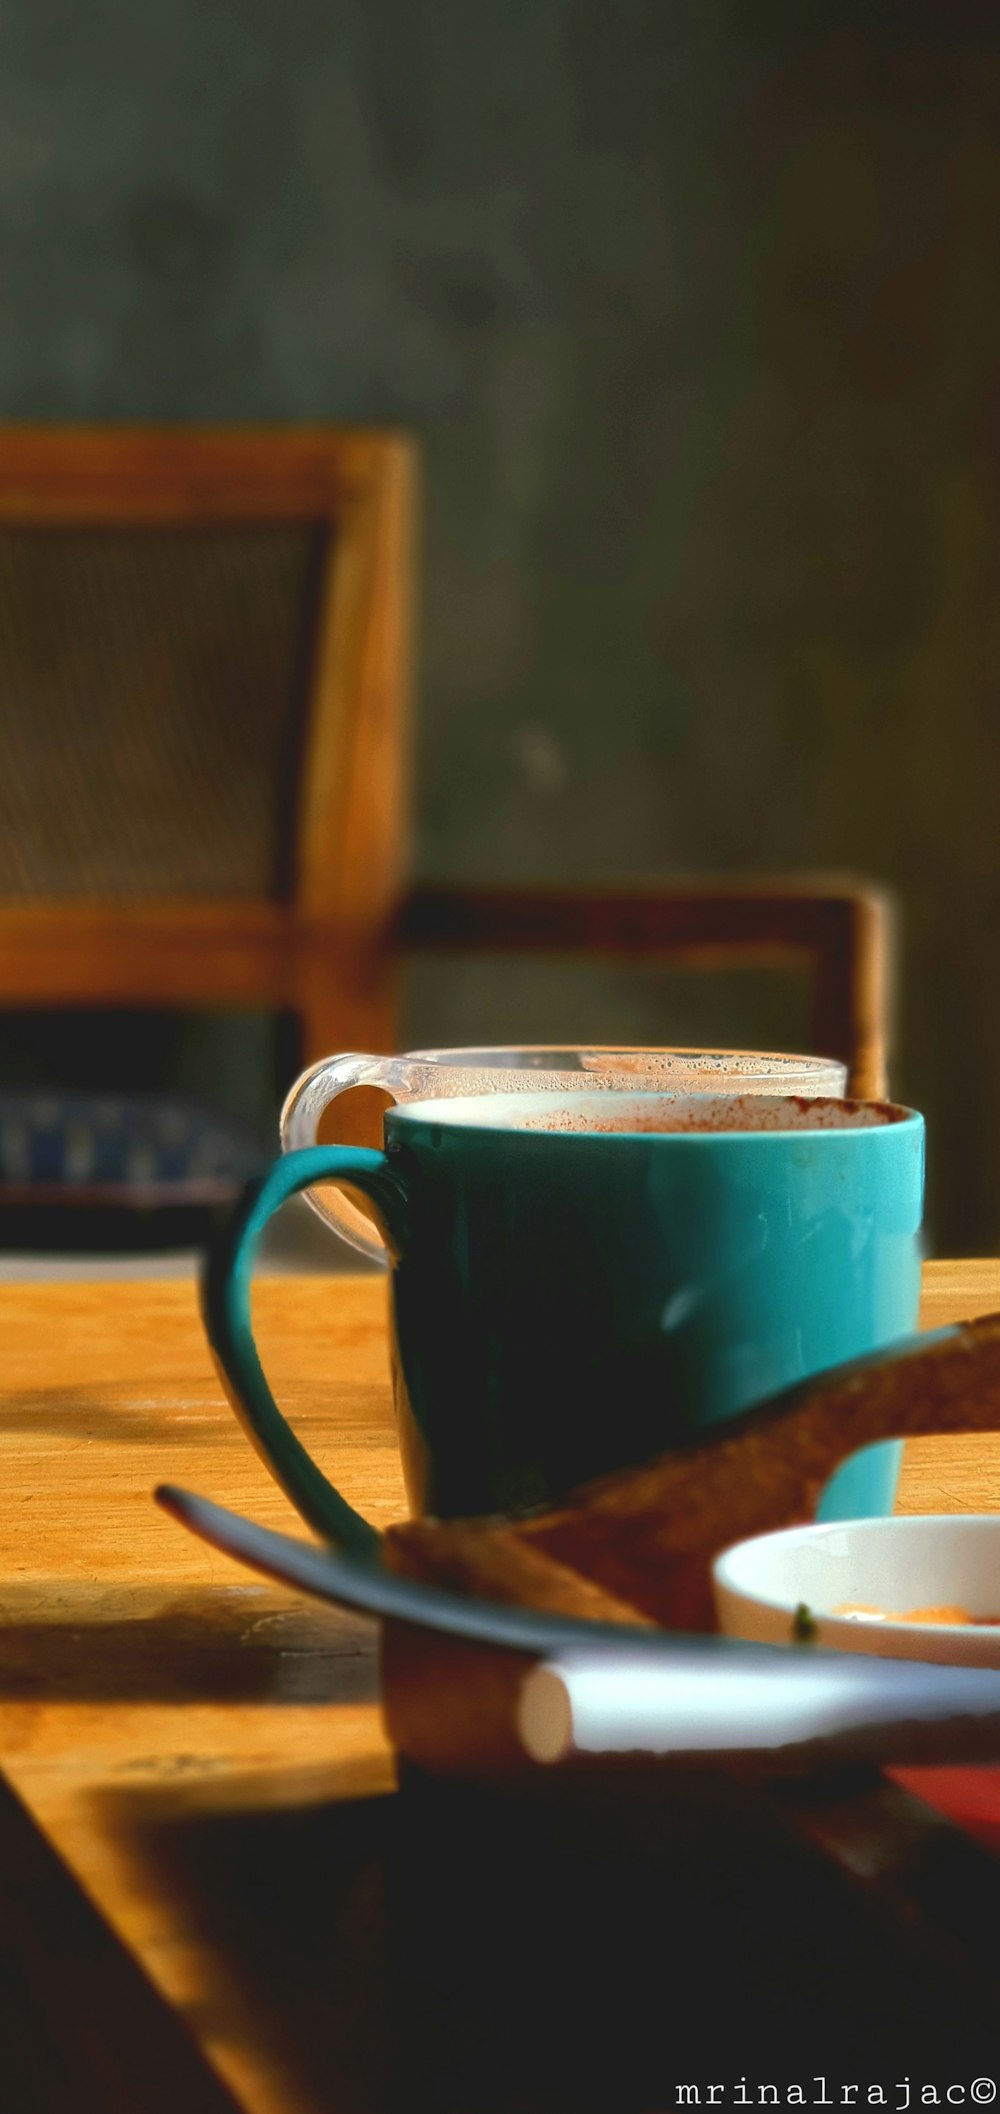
<point x="153" y="1149"/>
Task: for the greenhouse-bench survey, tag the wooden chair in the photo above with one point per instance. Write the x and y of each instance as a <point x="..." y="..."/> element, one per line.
<point x="204" y="744"/>
<point x="203" y="687"/>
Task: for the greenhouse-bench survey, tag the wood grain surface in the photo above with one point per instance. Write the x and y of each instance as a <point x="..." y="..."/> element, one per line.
<point x="142" y="1678"/>
<point x="205" y="1752"/>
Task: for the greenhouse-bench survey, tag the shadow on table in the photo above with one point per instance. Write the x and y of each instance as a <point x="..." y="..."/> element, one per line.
<point x="120" y="1415"/>
<point x="81" y="2026"/>
<point x="129" y="1644"/>
<point x="107" y="1414"/>
<point x="39" y="1246"/>
<point x="587" y="1952"/>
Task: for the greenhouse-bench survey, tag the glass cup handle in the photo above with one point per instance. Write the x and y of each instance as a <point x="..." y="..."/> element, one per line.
<point x="225" y="1304"/>
<point x="300" y="1119"/>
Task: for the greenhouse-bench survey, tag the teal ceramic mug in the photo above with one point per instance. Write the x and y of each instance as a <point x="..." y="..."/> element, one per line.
<point x="580" y="1282"/>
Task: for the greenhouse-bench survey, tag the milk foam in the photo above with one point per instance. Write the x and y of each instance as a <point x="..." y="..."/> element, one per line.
<point x="682" y="1114"/>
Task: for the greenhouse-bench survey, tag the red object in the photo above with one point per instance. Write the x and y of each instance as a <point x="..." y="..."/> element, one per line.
<point x="969" y="1796"/>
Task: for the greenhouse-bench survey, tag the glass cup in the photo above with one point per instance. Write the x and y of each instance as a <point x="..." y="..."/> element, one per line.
<point x="431" y="1075"/>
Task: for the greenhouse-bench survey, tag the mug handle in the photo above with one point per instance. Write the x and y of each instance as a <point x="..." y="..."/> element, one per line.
<point x="311" y="1096"/>
<point x="225" y="1306"/>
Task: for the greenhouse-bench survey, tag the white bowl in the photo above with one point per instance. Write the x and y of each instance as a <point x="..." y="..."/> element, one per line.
<point x="891" y="1564"/>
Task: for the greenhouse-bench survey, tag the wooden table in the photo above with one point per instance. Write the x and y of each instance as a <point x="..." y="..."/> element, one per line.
<point x="204" y="1754"/>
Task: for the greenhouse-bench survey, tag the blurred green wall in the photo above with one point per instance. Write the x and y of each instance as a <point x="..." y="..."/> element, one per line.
<point x="696" y="308"/>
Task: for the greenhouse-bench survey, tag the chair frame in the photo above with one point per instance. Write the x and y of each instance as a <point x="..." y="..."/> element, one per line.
<point x="316" y="953"/>
<point x="836" y="928"/>
<point x="332" y="951"/>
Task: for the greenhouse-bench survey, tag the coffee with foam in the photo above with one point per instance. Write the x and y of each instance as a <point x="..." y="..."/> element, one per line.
<point x="689" y="1114"/>
<point x="582" y="1280"/>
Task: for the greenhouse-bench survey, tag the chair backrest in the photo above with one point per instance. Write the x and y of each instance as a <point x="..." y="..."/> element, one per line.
<point x="203" y="718"/>
<point x="204" y="742"/>
<point x="839" y="929"/>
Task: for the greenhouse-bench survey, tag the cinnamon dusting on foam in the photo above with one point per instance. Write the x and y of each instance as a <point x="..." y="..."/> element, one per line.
<point x="719" y="1113"/>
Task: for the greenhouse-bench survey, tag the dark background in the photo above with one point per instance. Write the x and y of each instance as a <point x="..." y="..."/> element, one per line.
<point x="695" y="307"/>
